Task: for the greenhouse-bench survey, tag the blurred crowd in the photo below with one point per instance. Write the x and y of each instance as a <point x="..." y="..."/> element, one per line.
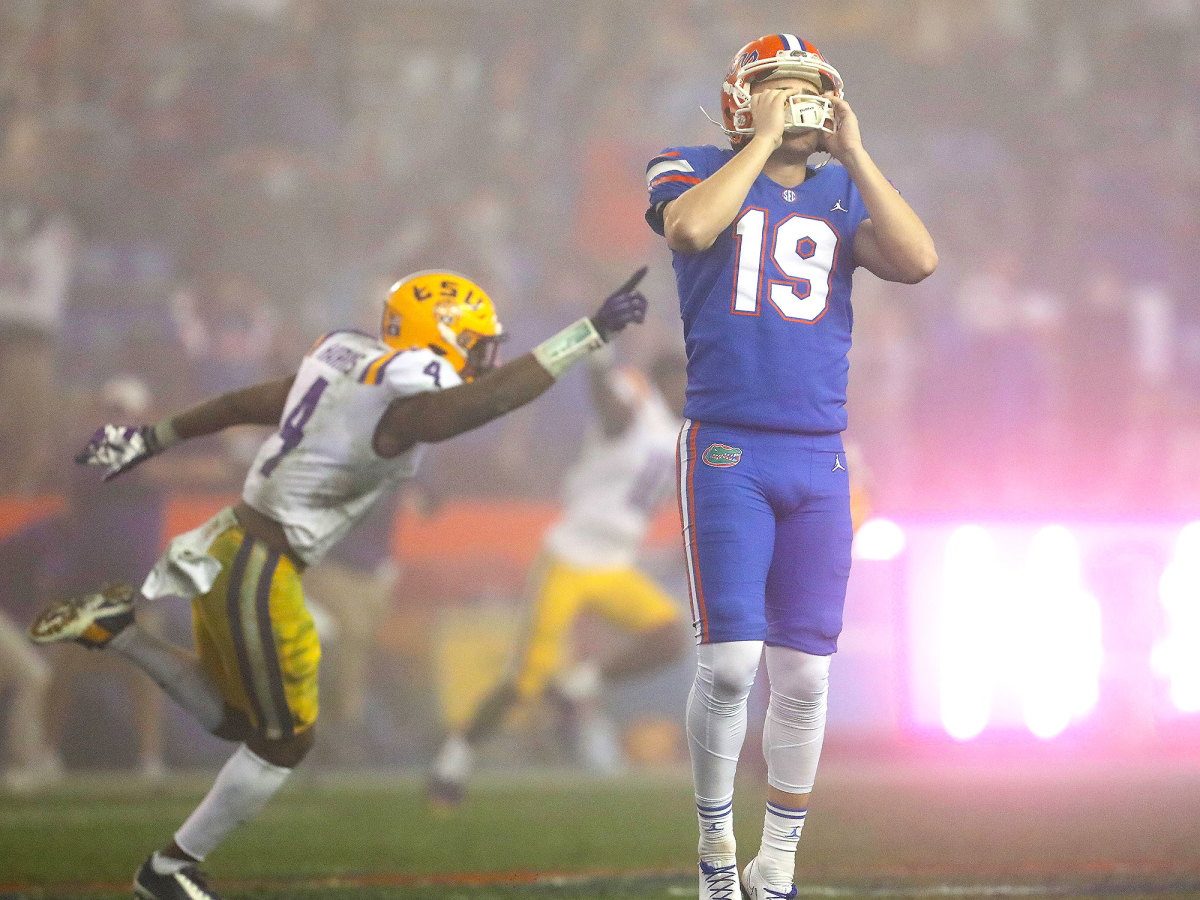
<point x="193" y="189"/>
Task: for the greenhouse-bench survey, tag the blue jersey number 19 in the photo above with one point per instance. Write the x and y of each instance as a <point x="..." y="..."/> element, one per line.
<point x="803" y="249"/>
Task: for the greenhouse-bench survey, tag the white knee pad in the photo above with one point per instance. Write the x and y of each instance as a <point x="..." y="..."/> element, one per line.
<point x="725" y="672"/>
<point x="795" y="726"/>
<point x="716" y="714"/>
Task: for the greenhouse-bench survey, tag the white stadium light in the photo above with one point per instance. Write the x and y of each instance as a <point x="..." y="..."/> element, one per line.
<point x="878" y="539"/>
<point x="1175" y="657"/>
<point x="1016" y="626"/>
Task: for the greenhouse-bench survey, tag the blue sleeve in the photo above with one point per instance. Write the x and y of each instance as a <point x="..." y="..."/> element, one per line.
<point x="668" y="175"/>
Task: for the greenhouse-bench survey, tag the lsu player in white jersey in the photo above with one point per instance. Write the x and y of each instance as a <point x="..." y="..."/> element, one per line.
<point x="351" y="423"/>
<point x="588" y="564"/>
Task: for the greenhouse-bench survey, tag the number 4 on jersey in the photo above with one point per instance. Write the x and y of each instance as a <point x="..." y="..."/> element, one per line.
<point x="802" y="248"/>
<point x="292" y="429"/>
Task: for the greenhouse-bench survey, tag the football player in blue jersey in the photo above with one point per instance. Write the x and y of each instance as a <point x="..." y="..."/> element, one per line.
<point x="764" y="247"/>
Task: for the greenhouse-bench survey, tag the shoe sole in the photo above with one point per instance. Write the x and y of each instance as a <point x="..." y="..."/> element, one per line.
<point x="67" y="621"/>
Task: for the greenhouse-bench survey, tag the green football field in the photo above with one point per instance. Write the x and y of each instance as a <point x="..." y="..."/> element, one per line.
<point x="877" y="828"/>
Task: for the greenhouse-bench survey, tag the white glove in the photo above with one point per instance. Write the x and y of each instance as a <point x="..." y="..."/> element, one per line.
<point x="118" y="448"/>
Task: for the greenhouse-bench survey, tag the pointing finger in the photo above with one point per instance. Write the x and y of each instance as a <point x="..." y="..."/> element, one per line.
<point x="633" y="280"/>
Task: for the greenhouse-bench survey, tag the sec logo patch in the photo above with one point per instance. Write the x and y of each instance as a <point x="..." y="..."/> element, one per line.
<point x="722" y="456"/>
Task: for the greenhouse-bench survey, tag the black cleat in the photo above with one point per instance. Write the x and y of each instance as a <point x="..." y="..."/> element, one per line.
<point x="443" y="795"/>
<point x="186" y="884"/>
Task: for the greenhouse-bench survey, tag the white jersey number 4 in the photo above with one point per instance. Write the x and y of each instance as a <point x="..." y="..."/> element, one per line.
<point x="803" y="249"/>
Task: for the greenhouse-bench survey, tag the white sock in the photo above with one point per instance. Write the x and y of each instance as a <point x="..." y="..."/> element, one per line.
<point x="716" y="727"/>
<point x="175" y="670"/>
<point x="166" y="865"/>
<point x="580" y="682"/>
<point x="781" y="834"/>
<point x="454" y="760"/>
<point x="244" y="785"/>
<point x="715" y="818"/>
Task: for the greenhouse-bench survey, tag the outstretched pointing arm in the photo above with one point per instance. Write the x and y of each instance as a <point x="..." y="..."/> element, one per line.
<point x="118" y="448"/>
<point x="440" y="415"/>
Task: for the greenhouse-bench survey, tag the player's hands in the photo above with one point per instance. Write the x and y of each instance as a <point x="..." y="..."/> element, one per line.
<point x="767" y="112"/>
<point x="118" y="448"/>
<point x="623" y="307"/>
<point x="846" y="139"/>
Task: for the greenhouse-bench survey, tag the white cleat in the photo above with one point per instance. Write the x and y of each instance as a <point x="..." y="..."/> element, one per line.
<point x="719" y="878"/>
<point x="757" y="888"/>
<point x="92" y="620"/>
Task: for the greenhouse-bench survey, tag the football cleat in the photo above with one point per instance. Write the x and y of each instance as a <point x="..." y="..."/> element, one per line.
<point x="446" y="785"/>
<point x="442" y="794"/>
<point x="186" y="884"/>
<point x="757" y="888"/>
<point x="719" y="879"/>
<point x="92" y="620"/>
<point x="448" y="314"/>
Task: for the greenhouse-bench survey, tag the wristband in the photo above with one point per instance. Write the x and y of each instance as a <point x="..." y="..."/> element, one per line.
<point x="569" y="346"/>
<point x="165" y="435"/>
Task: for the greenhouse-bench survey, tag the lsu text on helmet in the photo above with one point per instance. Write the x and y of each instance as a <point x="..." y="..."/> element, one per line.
<point x="778" y="56"/>
<point x="446" y="313"/>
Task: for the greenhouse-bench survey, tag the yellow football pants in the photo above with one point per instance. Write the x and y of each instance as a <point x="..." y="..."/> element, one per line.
<point x="562" y="592"/>
<point x="256" y="639"/>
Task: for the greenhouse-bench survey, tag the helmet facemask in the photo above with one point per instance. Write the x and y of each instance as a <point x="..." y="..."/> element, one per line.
<point x="482" y="352"/>
<point x="802" y="112"/>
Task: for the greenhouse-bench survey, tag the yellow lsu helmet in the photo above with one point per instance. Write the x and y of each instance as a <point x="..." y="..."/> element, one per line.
<point x="449" y="314"/>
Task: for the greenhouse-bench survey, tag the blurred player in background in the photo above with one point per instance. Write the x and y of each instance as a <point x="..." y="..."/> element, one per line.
<point x="33" y="763"/>
<point x="351" y="423"/>
<point x="58" y="555"/>
<point x="587" y="564"/>
<point x="764" y="248"/>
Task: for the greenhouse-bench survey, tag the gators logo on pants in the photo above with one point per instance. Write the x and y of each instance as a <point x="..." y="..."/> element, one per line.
<point x="722" y="456"/>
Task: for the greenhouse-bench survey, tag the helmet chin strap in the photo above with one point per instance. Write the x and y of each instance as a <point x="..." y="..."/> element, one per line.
<point x="715" y="122"/>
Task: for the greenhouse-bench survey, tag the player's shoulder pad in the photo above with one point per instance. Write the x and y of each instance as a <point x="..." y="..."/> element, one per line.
<point x="347" y="351"/>
<point x="681" y="167"/>
<point x="415" y="371"/>
<point x="673" y="171"/>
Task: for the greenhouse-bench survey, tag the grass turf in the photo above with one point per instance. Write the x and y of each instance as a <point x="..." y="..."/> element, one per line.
<point x="877" y="829"/>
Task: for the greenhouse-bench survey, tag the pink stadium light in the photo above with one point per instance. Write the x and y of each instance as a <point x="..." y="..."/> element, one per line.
<point x="1175" y="657"/>
<point x="879" y="539"/>
<point x="1017" y="629"/>
<point x="1062" y="645"/>
<point x="968" y="609"/>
